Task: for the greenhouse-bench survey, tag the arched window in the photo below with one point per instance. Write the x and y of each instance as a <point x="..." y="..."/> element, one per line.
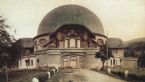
<point x="81" y="62"/>
<point x="73" y="62"/>
<point x="100" y="41"/>
<point x="65" y="62"/>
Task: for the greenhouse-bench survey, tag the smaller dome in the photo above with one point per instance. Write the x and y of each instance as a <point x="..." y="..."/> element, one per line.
<point x="116" y="43"/>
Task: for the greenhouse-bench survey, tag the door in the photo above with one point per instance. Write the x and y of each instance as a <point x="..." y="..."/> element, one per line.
<point x="73" y="62"/>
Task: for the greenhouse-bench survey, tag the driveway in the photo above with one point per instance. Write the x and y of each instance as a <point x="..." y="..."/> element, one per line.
<point x="85" y="75"/>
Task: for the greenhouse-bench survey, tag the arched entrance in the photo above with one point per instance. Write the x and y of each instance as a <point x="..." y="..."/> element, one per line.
<point x="73" y="61"/>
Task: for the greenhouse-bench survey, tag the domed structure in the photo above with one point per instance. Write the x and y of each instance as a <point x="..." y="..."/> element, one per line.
<point x="70" y="36"/>
<point x="70" y="14"/>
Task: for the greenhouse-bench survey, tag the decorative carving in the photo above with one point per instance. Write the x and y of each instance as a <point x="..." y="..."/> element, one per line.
<point x="42" y="41"/>
<point x="100" y="41"/>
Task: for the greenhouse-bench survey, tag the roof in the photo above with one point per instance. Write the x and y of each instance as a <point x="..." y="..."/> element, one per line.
<point x="130" y="58"/>
<point x="70" y="14"/>
<point x="27" y="42"/>
<point x="116" y="43"/>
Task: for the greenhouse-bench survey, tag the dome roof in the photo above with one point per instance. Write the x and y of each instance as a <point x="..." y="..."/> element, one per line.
<point x="70" y="14"/>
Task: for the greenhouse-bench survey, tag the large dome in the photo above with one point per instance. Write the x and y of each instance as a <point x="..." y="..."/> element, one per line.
<point x="70" y="14"/>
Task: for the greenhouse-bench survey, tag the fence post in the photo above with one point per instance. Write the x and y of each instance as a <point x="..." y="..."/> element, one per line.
<point x="48" y="74"/>
<point x="109" y="70"/>
<point x="53" y="71"/>
<point x="56" y="67"/>
<point x="126" y="73"/>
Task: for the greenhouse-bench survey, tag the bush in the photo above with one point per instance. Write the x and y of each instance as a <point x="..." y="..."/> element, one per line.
<point x="51" y="72"/>
<point x="136" y="77"/>
<point x="42" y="77"/>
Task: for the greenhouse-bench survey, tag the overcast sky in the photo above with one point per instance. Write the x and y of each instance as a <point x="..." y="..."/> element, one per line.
<point x="124" y="19"/>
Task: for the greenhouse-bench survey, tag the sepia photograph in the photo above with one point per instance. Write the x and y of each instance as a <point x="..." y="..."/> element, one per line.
<point x="72" y="40"/>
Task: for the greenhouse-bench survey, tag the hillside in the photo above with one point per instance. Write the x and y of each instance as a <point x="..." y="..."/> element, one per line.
<point x="135" y="47"/>
<point x="135" y="40"/>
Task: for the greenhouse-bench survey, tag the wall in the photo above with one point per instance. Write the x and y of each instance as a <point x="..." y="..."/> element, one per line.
<point x="129" y="62"/>
<point x="22" y="63"/>
<point x="92" y="62"/>
<point x="49" y="60"/>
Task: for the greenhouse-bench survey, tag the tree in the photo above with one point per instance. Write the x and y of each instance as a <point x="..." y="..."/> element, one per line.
<point x="7" y="45"/>
<point x="5" y="41"/>
<point x="137" y="49"/>
<point x="104" y="54"/>
<point x="15" y="52"/>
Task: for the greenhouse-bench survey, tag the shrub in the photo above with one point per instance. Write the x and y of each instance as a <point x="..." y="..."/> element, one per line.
<point x="41" y="76"/>
<point x="51" y="72"/>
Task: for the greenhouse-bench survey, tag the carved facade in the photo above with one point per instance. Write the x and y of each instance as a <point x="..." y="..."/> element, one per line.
<point x="68" y="36"/>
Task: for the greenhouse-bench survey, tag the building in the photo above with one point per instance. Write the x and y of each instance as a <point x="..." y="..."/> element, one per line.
<point x="68" y="36"/>
<point x="116" y="49"/>
<point x="130" y="62"/>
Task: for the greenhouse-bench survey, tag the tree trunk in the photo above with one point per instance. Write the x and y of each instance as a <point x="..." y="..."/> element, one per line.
<point x="103" y="62"/>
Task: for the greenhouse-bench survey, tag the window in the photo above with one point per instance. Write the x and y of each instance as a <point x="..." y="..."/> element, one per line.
<point x="31" y="62"/>
<point x="73" y="62"/>
<point x="113" y="61"/>
<point x="27" y="62"/>
<point x="65" y="61"/>
<point x="42" y="41"/>
<point x="100" y="41"/>
<point x="66" y="43"/>
<point x="78" y="43"/>
<point x="72" y="43"/>
<point x="37" y="60"/>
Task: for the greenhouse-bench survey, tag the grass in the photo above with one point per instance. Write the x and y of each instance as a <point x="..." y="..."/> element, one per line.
<point x="20" y="75"/>
<point x="134" y="75"/>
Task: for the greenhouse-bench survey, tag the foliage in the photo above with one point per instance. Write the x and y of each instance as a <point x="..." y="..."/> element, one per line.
<point x="42" y="76"/>
<point x="137" y="49"/>
<point x="9" y="50"/>
<point x="134" y="75"/>
<point x="104" y="54"/>
<point x="5" y="42"/>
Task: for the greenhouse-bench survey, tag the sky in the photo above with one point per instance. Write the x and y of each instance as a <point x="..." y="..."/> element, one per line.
<point x="123" y="19"/>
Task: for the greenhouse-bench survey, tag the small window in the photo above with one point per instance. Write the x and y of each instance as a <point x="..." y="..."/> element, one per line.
<point x="31" y="62"/>
<point x="27" y="62"/>
<point x="42" y="41"/>
<point x="38" y="61"/>
<point x="100" y="41"/>
<point x="113" y="61"/>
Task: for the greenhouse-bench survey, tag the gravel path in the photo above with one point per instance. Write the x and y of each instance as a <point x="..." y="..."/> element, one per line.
<point x="84" y="75"/>
<point x="92" y="76"/>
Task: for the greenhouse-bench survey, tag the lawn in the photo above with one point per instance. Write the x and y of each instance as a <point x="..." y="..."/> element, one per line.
<point x="20" y="75"/>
